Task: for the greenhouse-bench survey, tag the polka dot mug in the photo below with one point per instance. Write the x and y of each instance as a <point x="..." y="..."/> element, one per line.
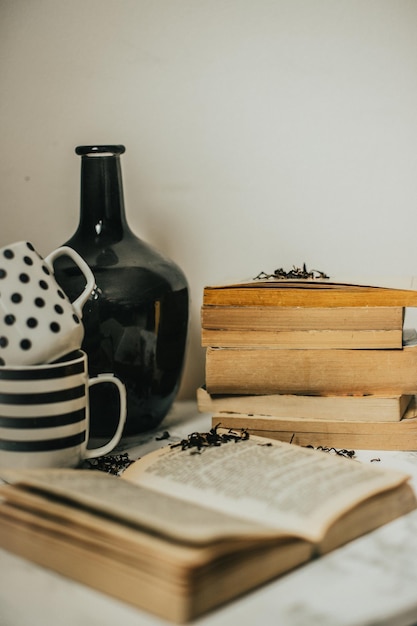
<point x="38" y="322"/>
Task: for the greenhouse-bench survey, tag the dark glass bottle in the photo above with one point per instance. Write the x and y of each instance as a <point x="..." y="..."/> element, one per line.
<point x="136" y="321"/>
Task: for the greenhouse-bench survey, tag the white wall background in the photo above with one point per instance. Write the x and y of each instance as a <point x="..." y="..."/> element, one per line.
<point x="259" y="134"/>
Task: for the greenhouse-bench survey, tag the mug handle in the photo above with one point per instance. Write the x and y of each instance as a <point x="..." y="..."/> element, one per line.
<point x="108" y="447"/>
<point x="85" y="269"/>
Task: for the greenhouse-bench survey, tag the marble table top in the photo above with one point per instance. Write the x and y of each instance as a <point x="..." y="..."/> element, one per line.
<point x="370" y="581"/>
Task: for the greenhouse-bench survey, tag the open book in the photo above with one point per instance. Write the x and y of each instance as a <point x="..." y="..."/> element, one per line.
<point x="184" y="530"/>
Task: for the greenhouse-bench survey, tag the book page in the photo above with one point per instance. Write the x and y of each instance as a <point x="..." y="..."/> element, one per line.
<point x="122" y="501"/>
<point x="295" y="489"/>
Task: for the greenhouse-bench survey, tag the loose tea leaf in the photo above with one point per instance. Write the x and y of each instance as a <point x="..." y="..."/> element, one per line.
<point x="109" y="464"/>
<point x="212" y="438"/>
<point x="165" y="435"/>
<point x="350" y="454"/>
<point x="294" y="273"/>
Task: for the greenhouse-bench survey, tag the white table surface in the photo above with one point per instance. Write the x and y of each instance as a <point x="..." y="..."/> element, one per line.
<point x="370" y="581"/>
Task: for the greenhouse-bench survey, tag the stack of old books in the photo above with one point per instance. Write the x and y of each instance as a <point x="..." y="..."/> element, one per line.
<point x="315" y="362"/>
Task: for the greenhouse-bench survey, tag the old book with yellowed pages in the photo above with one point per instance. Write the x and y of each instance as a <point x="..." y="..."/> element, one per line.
<point x="343" y="292"/>
<point x="348" y="434"/>
<point x="359" y="408"/>
<point x="251" y="371"/>
<point x="302" y="327"/>
<point x="181" y="533"/>
<point x="267" y="318"/>
<point x="359" y="292"/>
<point x="312" y="339"/>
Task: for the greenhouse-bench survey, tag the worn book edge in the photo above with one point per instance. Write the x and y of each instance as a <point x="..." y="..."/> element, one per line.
<point x="403" y="283"/>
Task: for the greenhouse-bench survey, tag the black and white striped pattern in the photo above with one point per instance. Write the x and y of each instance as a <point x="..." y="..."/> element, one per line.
<point x="43" y="413"/>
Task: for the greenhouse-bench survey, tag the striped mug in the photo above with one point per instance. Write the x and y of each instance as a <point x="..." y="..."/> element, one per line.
<point x="45" y="414"/>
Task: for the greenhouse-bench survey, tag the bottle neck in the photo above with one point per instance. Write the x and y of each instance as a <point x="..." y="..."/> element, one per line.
<point x="102" y="212"/>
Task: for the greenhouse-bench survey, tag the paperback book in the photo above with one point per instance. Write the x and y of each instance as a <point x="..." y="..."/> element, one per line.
<point x="188" y="528"/>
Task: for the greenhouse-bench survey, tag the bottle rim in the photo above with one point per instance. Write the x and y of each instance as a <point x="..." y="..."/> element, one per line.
<point x="96" y="150"/>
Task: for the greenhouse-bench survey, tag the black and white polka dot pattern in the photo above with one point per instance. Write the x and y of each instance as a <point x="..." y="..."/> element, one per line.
<point x="36" y="317"/>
